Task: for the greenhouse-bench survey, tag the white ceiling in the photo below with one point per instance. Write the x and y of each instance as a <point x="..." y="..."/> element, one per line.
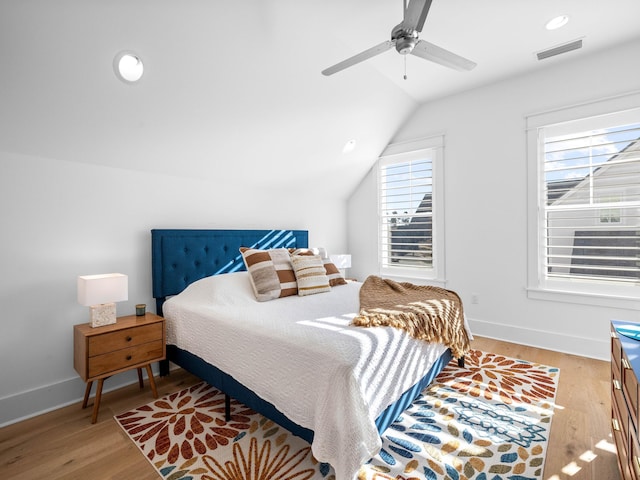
<point x="232" y="91"/>
<point x="501" y="36"/>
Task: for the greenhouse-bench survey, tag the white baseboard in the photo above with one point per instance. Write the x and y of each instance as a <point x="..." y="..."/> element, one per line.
<point x="573" y="344"/>
<point x="25" y="405"/>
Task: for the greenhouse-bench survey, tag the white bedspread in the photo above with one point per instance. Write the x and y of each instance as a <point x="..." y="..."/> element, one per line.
<point x="301" y="355"/>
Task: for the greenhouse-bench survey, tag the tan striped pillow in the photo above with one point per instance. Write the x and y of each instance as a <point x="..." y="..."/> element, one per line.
<point x="331" y="271"/>
<point x="310" y="274"/>
<point x="334" y="274"/>
<point x="271" y="273"/>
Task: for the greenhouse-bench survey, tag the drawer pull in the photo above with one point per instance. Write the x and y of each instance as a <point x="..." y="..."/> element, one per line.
<point x="615" y="424"/>
<point x="616" y="384"/>
<point x="625" y="364"/>
<point x="128" y="338"/>
<point x="129" y="357"/>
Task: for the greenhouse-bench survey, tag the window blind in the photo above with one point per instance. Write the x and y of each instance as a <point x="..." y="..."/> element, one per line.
<point x="406" y="213"/>
<point x="590" y="202"/>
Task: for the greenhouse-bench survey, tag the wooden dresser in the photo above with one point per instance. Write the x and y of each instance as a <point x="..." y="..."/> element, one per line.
<point x="625" y="370"/>
<point x="132" y="342"/>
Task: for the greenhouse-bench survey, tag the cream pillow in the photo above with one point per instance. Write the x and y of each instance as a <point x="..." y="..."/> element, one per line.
<point x="310" y="274"/>
<point x="331" y="271"/>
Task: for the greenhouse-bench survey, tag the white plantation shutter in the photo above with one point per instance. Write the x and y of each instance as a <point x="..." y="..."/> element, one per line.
<point x="407" y="212"/>
<point x="589" y="202"/>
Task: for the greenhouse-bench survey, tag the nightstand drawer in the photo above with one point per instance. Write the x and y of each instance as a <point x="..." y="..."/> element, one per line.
<point x="109" y="342"/>
<point x="125" y="358"/>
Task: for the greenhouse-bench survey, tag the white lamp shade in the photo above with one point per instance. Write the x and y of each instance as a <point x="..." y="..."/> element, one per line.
<point x="105" y="288"/>
<point x="342" y="260"/>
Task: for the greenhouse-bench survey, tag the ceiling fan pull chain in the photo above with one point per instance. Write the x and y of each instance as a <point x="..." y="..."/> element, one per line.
<point x="405" y="67"/>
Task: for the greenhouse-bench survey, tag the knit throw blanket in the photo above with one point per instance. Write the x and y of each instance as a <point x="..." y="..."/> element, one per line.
<point x="427" y="313"/>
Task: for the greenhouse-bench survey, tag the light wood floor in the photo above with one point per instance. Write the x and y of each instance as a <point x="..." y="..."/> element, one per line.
<point x="64" y="444"/>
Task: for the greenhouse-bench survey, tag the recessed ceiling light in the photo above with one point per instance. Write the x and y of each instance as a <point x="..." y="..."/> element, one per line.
<point x="557" y="22"/>
<point x="349" y="146"/>
<point x="128" y="67"/>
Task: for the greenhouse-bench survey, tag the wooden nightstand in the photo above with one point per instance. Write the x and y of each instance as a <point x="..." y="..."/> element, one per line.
<point x="132" y="342"/>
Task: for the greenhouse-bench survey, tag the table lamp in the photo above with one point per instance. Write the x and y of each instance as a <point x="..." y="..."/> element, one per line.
<point x="99" y="293"/>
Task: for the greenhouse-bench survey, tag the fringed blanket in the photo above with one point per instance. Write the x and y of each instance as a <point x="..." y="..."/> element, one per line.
<point x="427" y="313"/>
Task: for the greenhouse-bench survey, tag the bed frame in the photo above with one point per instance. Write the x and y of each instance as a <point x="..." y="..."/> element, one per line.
<point x="180" y="257"/>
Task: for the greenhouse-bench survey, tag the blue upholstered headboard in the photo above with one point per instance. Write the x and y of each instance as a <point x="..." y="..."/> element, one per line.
<point x="180" y="257"/>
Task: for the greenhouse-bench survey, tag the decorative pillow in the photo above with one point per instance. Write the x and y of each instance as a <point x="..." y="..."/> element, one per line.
<point x="310" y="274"/>
<point x="331" y="271"/>
<point x="271" y="273"/>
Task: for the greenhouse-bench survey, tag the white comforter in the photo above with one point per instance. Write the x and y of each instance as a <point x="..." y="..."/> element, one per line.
<point x="301" y="355"/>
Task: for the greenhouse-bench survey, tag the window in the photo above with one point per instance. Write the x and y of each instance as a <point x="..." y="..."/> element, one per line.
<point x="409" y="177"/>
<point x="585" y="205"/>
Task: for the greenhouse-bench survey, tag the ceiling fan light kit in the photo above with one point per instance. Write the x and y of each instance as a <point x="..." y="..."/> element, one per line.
<point x="404" y="37"/>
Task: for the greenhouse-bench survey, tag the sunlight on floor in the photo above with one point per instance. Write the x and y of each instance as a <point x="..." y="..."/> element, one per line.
<point x="571" y="469"/>
<point x="588" y="456"/>
<point x="606" y="446"/>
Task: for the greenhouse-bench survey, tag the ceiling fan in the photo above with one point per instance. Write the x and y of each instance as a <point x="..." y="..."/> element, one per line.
<point x="404" y="37"/>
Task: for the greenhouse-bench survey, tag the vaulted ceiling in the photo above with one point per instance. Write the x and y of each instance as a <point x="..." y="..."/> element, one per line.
<point x="233" y="89"/>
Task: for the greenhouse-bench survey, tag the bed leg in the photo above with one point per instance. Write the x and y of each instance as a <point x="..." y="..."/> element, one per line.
<point x="461" y="362"/>
<point x="227" y="408"/>
<point x="164" y="367"/>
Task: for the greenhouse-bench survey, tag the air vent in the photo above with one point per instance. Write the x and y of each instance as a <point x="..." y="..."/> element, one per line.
<point x="567" y="47"/>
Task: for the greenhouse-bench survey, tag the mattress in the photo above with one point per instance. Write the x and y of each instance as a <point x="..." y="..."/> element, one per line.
<point x="301" y="355"/>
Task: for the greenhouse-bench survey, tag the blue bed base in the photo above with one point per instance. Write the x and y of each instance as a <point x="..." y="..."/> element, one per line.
<point x="180" y="257"/>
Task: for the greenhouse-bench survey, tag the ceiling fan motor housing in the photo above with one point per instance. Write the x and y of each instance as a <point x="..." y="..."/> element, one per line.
<point x="405" y="40"/>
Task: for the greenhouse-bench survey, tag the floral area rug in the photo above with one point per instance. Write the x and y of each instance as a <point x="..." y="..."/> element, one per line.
<point x="487" y="421"/>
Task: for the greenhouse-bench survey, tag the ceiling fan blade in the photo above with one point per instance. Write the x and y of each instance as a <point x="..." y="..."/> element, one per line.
<point x="360" y="57"/>
<point x="416" y="14"/>
<point x="439" y="55"/>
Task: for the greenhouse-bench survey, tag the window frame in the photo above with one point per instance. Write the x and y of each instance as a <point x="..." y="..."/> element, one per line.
<point x="586" y="292"/>
<point x="404" y="152"/>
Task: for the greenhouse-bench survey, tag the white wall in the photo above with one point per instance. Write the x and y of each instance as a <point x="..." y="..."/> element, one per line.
<point x="209" y="138"/>
<point x="486" y="201"/>
<point x="62" y="219"/>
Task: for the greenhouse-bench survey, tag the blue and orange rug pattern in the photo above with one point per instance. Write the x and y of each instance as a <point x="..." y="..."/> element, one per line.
<point x="487" y="421"/>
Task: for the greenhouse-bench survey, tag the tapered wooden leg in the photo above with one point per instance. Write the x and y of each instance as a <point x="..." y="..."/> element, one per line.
<point x="140" y="382"/>
<point x="96" y="402"/>
<point x="87" y="392"/>
<point x="152" y="382"/>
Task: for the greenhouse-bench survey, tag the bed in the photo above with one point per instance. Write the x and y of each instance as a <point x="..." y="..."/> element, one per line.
<point x="192" y="268"/>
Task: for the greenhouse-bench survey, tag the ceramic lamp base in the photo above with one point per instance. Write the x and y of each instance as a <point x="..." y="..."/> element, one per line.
<point x="104" y="314"/>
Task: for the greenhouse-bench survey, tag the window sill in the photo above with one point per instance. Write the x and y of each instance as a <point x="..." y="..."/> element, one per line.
<point x="584" y="298"/>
